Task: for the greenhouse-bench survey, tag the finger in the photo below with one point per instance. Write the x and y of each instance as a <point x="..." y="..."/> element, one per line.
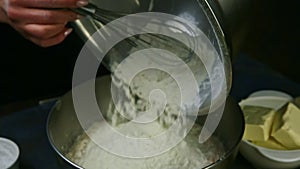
<point x="54" y="40"/>
<point x="49" y="3"/>
<point x="41" y="16"/>
<point x="42" y="31"/>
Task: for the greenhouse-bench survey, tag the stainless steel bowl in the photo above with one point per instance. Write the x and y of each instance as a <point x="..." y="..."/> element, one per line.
<point x="203" y="13"/>
<point x="63" y="126"/>
<point x="225" y="22"/>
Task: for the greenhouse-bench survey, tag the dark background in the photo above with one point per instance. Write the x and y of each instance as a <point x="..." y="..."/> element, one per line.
<point x="274" y="34"/>
<point x="30" y="73"/>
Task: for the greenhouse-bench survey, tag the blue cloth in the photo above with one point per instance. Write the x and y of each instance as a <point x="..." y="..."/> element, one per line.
<point x="28" y="129"/>
<point x="250" y="75"/>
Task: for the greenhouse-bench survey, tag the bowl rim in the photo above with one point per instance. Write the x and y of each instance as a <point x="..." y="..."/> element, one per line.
<point x="269" y="92"/>
<point x="50" y="138"/>
<point x="270" y="149"/>
<point x="257" y="101"/>
<point x="269" y="153"/>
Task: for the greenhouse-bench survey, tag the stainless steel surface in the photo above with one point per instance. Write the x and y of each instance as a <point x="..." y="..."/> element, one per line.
<point x="235" y="17"/>
<point x="200" y="12"/>
<point x="63" y="126"/>
<point x="101" y="17"/>
<point x="98" y="13"/>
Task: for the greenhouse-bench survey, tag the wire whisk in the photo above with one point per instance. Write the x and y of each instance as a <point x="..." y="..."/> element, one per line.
<point x="103" y="17"/>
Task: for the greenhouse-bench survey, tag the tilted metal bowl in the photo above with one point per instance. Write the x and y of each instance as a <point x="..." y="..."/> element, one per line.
<point x="204" y="14"/>
<point x="204" y="17"/>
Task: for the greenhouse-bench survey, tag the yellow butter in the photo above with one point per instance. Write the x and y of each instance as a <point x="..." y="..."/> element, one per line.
<point x="286" y="127"/>
<point x="259" y="121"/>
<point x="270" y="143"/>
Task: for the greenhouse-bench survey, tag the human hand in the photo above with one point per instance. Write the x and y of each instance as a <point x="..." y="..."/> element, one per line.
<point x="44" y="22"/>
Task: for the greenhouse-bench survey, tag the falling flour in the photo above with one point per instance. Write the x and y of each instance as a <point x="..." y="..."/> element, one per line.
<point x="187" y="154"/>
<point x="158" y="93"/>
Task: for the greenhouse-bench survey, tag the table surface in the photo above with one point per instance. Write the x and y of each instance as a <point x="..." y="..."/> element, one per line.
<point x="28" y="127"/>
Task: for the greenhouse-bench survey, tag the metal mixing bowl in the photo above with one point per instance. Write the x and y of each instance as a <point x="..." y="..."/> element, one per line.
<point x="63" y="126"/>
<point x="202" y="13"/>
<point x="234" y="16"/>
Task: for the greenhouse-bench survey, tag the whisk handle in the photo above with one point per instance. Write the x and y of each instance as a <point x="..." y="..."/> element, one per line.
<point x="89" y="9"/>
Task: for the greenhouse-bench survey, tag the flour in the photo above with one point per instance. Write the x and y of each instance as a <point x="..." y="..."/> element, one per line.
<point x="188" y="154"/>
<point x="151" y="92"/>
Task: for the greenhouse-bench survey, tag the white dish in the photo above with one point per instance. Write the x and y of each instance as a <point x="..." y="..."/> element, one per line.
<point x="273" y="102"/>
<point x="265" y="158"/>
<point x="270" y="93"/>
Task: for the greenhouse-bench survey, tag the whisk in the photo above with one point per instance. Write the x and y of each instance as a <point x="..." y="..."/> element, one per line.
<point x="99" y="14"/>
<point x="104" y="16"/>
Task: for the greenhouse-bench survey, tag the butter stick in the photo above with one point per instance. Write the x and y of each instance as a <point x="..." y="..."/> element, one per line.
<point x="270" y="143"/>
<point x="259" y="122"/>
<point x="286" y="127"/>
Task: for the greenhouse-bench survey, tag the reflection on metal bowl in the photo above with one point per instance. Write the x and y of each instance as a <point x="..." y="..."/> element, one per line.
<point x="63" y="126"/>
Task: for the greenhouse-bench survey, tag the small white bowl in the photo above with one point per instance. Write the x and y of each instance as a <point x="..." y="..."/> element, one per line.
<point x="9" y="154"/>
<point x="267" y="98"/>
<point x="270" y="93"/>
<point x="265" y="158"/>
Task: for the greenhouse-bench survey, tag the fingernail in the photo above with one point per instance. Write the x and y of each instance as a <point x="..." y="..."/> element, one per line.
<point x="68" y="31"/>
<point x="82" y="3"/>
